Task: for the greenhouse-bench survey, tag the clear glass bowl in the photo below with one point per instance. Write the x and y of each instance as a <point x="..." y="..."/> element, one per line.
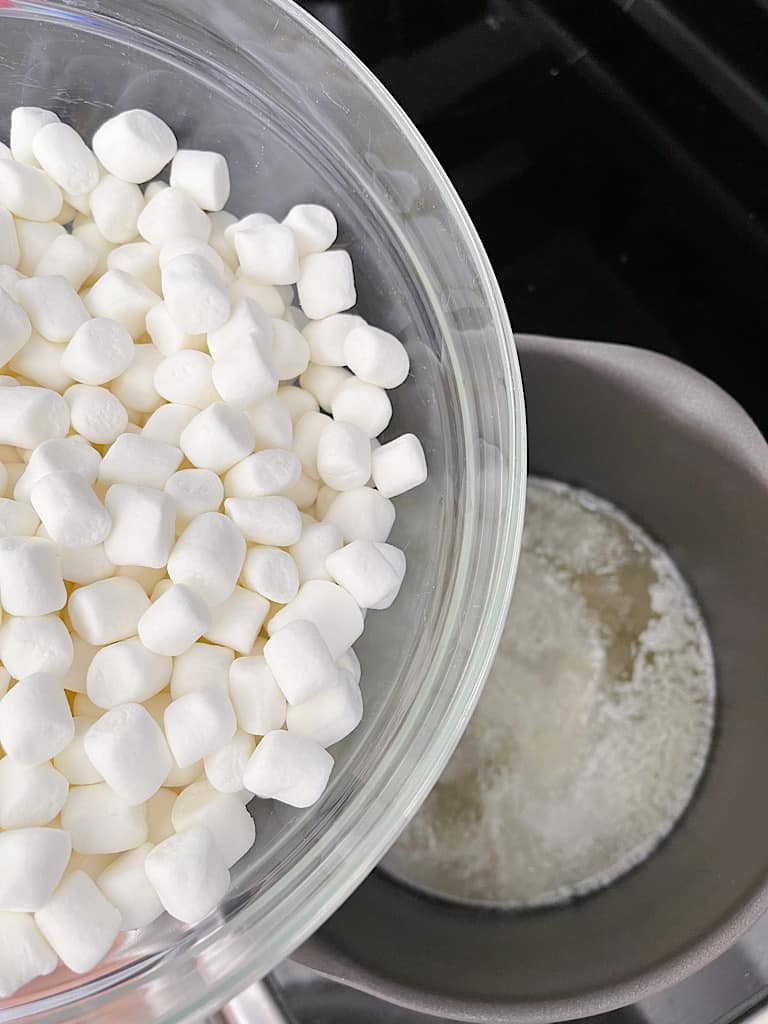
<point x="301" y="119"/>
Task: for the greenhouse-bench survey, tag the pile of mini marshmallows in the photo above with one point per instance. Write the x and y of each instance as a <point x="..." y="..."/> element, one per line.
<point x="194" y="524"/>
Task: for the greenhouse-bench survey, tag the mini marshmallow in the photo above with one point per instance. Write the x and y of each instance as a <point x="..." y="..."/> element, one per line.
<point x="9" y="279"/>
<point x="166" y="334"/>
<point x="201" y="666"/>
<point x="195" y="294"/>
<point x="174" y="621"/>
<point x="32" y="861"/>
<point x="83" y="565"/>
<point x="365" y="405"/>
<point x="306" y="437"/>
<point x="223" y="814"/>
<point x="304" y="492"/>
<point x="203" y="175"/>
<point x="376" y="356"/>
<point x="246" y="319"/>
<point x="134" y="145"/>
<point x="68" y="257"/>
<point x="334" y="612"/>
<point x="30" y="795"/>
<point x="289" y="768"/>
<point x="54" y="308"/>
<point x="79" y="922"/>
<point x="343" y="456"/>
<point x="185" y="378"/>
<point x="39" y="362"/>
<point x="372" y="573"/>
<point x="170" y="214"/>
<point x="153" y="187"/>
<point x="30" y="577"/>
<point x="100" y="821"/>
<point x="317" y="542"/>
<point x="143" y="521"/>
<point x="107" y="611"/>
<point x="82" y="656"/>
<point x="314" y="227"/>
<point x="140" y="260"/>
<point x="17" y="519"/>
<point x="38" y="643"/>
<point x="219" y="240"/>
<point x="217" y="438"/>
<point x="224" y="768"/>
<point x="266" y="295"/>
<point x="69" y="510"/>
<point x="9" y="242"/>
<point x="15" y="327"/>
<point x="272" y="520"/>
<point x="350" y="663"/>
<point x="26" y="122"/>
<point x="24" y="953"/>
<point x="272" y="425"/>
<point x="137" y="459"/>
<point x="325" y="382"/>
<point x="257" y="699"/>
<point x="167" y="423"/>
<point x="208" y="557"/>
<point x="128" y="749"/>
<point x="185" y="245"/>
<point x="267" y="472"/>
<point x="297" y="401"/>
<point x="96" y="414"/>
<point x="329" y="716"/>
<point x="244" y="374"/>
<point x="126" y="886"/>
<point x="72" y="762"/>
<point x="326" y="337"/>
<point x="34" y="241"/>
<point x="194" y="491"/>
<point x="236" y="622"/>
<point x="300" y="661"/>
<point x="99" y="350"/>
<point x="159" y="808"/>
<point x="58" y="455"/>
<point x="188" y="874"/>
<point x="326" y="284"/>
<point x="268" y="254"/>
<point x="35" y="720"/>
<point x="198" y="723"/>
<point x="115" y="208"/>
<point x="65" y="158"/>
<point x="362" y="514"/>
<point x="28" y="192"/>
<point x="290" y="352"/>
<point x="122" y="297"/>
<point x="147" y="579"/>
<point x="399" y="465"/>
<point x="325" y="496"/>
<point x="126" y="671"/>
<point x="272" y="573"/>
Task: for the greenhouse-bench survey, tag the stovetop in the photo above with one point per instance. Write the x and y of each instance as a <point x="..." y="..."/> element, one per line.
<point x="612" y="155"/>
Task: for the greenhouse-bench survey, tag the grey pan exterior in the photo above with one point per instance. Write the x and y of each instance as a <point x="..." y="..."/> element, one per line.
<point x="684" y="459"/>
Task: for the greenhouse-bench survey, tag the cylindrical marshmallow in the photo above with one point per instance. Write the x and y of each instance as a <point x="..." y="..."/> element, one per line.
<point x="100" y="821"/>
<point x="399" y="465"/>
<point x="362" y="514"/>
<point x="99" y="350"/>
<point x="37" y="643"/>
<point x="272" y="520"/>
<point x="125" y="884"/>
<point x="208" y="557"/>
<point x="203" y="175"/>
<point x="30" y="795"/>
<point x="334" y="611"/>
<point x="314" y="227"/>
<point x="271" y="471"/>
<point x="272" y="573"/>
<point x="188" y="874"/>
<point x="65" y="158"/>
<point x="199" y="723"/>
<point x="28" y="192"/>
<point x="54" y="308"/>
<point x="115" y="208"/>
<point x="317" y="542"/>
<point x="134" y="145"/>
<point x="128" y="749"/>
<point x="122" y="297"/>
<point x="69" y="510"/>
<point x="96" y="414"/>
<point x="376" y="356"/>
<point x="300" y="661"/>
<point x="365" y="405"/>
<point x="326" y="284"/>
<point x="194" y="491"/>
<point x="32" y="861"/>
<point x="143" y="522"/>
<point x="195" y="294"/>
<point x="257" y="699"/>
<point x="330" y="715"/>
<point x="107" y="611"/>
<point x="174" y="621"/>
<point x="217" y="437"/>
<point x="199" y="667"/>
<point x="223" y="814"/>
<point x="237" y="621"/>
<point x="288" y="767"/>
<point x="290" y="351"/>
<point x="326" y="338"/>
<point x="343" y="456"/>
<point x="171" y="214"/>
<point x="268" y="254"/>
<point x="35" y="720"/>
<point x="126" y="672"/>
<point x="30" y="576"/>
<point x="224" y="768"/>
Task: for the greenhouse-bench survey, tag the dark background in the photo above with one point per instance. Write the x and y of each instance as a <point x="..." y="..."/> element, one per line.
<point x="612" y="154"/>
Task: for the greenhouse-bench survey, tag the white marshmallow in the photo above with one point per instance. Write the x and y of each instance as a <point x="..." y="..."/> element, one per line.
<point x="57" y="455"/>
<point x="272" y="573"/>
<point x="288" y="767"/>
<point x="194" y="491"/>
<point x="365" y="405"/>
<point x="224" y="768"/>
<point x="9" y="279"/>
<point x="107" y="611"/>
<point x="159" y="808"/>
<point x="223" y="814"/>
<point x="39" y="643"/>
<point x="15" y="327"/>
<point x="99" y="350"/>
<point x="35" y="720"/>
<point x="69" y="257"/>
<point x="203" y="175"/>
<point x="371" y="572"/>
<point x="199" y="723"/>
<point x="195" y="294"/>
<point x="244" y="374"/>
<point x="208" y="557"/>
<point x="69" y="510"/>
<point x="188" y="874"/>
<point x="326" y="337"/>
<point x="147" y="579"/>
<point x="217" y="437"/>
<point x="54" y="308"/>
<point x="174" y="621"/>
<point x="72" y="762"/>
<point x="115" y="209"/>
<point x="334" y="612"/>
<point x="246" y="319"/>
<point x="30" y="795"/>
<point x="247" y="223"/>
<point x="325" y="382"/>
<point x="39" y="362"/>
<point x="268" y="254"/>
<point x="313" y="226"/>
<point x="122" y="297"/>
<point x="326" y="284"/>
<point x="329" y="716"/>
<point x="65" y="158"/>
<point x="266" y="295"/>
<point x="134" y="145"/>
<point x="376" y="356"/>
<point x="125" y="884"/>
<point x="185" y="378"/>
<point x="79" y="922"/>
<point x="100" y="821"/>
<point x="30" y="577"/>
<point x="272" y="425"/>
<point x="9" y="242"/>
<point x="140" y="260"/>
<point x="267" y="472"/>
<point x="350" y="663"/>
<point x="34" y="241"/>
<point x="290" y="351"/>
<point x="153" y="187"/>
<point x="143" y="521"/>
<point x="297" y="401"/>
<point x="167" y="423"/>
<point x="126" y="672"/>
<point x="317" y="542"/>
<point x="236" y="622"/>
<point x="137" y="459"/>
<point x="17" y="519"/>
<point x="362" y="514"/>
<point x="399" y="465"/>
<point x="96" y="414"/>
<point x="171" y="214"/>
<point x="82" y="656"/>
<point x="32" y="861"/>
<point x="343" y="456"/>
<point x="28" y="192"/>
<point x="128" y="749"/>
<point x="257" y="699"/>
<point x="300" y="661"/>
<point x="219" y="240"/>
<point x="26" y="122"/>
<point x="186" y="245"/>
<point x="201" y="666"/>
<point x="272" y="520"/>
<point x="325" y="496"/>
<point x="83" y="565"/>
<point x="306" y="437"/>
<point x="24" y="953"/>
<point x="166" y="334"/>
